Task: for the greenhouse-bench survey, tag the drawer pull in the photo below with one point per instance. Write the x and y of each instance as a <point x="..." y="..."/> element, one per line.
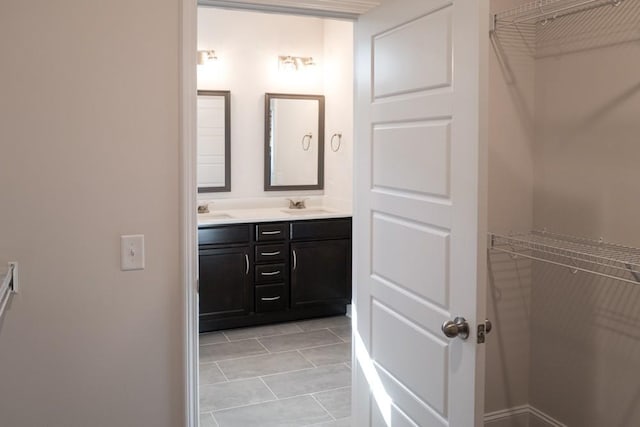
<point x="272" y="273"/>
<point x="270" y="233"/>
<point x="270" y="253"/>
<point x="270" y="299"/>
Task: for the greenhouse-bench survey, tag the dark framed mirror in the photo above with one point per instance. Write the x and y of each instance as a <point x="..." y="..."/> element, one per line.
<point x="294" y="142"/>
<point x="214" y="141"/>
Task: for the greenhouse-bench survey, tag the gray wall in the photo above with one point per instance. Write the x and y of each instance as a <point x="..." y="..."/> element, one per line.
<point x="89" y="150"/>
<point x="511" y="138"/>
<point x="565" y="109"/>
<point x="585" y="330"/>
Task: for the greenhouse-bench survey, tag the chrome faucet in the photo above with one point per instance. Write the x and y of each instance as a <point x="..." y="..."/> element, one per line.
<point x="203" y="208"/>
<point x="298" y="204"/>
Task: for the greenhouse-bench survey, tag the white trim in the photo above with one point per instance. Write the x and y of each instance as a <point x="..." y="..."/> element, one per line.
<point x="188" y="203"/>
<point x="545" y="417"/>
<point x="506" y="413"/>
<point x="344" y="9"/>
<point x="522" y="410"/>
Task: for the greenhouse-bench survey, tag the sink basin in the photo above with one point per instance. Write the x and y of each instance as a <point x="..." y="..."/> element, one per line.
<point x="312" y="211"/>
<point x="216" y="216"/>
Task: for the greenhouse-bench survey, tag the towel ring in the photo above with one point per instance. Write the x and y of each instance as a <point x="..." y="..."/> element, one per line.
<point x="306" y="147"/>
<point x="333" y="147"/>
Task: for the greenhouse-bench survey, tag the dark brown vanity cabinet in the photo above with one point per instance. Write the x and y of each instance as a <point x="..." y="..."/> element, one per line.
<point x="225" y="283"/>
<point x="271" y="277"/>
<point x="253" y="274"/>
<point x="321" y="263"/>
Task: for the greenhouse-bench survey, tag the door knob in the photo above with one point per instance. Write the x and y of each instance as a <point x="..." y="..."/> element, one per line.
<point x="456" y="328"/>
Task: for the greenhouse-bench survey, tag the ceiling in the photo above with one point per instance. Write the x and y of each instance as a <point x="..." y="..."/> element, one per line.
<point x="335" y="8"/>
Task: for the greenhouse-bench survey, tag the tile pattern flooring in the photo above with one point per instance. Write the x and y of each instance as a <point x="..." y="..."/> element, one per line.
<point x="285" y="375"/>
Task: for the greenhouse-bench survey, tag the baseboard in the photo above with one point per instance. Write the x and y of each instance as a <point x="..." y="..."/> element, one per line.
<point x="545" y="418"/>
<point x="535" y="417"/>
<point x="507" y="413"/>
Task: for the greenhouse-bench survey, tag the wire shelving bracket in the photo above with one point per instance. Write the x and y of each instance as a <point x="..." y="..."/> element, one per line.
<point x="8" y="285"/>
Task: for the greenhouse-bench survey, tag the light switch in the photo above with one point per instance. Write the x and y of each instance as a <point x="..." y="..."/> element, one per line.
<point x="132" y="252"/>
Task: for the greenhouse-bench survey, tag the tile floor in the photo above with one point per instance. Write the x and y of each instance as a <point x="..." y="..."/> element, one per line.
<point x="285" y="375"/>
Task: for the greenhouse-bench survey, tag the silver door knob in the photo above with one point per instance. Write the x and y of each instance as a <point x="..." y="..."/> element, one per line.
<point x="456" y="328"/>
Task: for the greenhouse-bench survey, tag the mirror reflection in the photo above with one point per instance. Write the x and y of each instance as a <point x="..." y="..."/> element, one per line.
<point x="294" y="142"/>
<point x="214" y="141"/>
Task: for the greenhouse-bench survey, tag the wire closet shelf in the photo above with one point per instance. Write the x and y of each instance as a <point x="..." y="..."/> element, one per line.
<point x="576" y="253"/>
<point x="543" y="11"/>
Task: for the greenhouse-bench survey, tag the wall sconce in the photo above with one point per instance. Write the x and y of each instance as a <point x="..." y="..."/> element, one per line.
<point x="206" y="56"/>
<point x="294" y="63"/>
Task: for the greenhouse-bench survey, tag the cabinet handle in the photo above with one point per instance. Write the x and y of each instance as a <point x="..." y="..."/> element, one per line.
<point x="246" y="260"/>
<point x="270" y="253"/>
<point x="270" y="299"/>
<point x="272" y="273"/>
<point x="295" y="260"/>
<point x="269" y="233"/>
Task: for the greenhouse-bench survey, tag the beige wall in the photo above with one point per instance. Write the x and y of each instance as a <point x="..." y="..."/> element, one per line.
<point x="89" y="151"/>
<point x="564" y="156"/>
<point x="585" y="339"/>
<point x="511" y="136"/>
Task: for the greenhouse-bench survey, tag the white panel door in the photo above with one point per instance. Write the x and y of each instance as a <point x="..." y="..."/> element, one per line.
<point x="420" y="212"/>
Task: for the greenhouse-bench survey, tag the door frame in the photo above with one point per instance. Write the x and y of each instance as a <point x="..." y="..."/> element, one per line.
<point x="188" y="183"/>
<point x="188" y="203"/>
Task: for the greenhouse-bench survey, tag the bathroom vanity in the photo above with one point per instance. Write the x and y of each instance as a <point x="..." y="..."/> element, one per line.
<point x="259" y="262"/>
<point x="259" y="272"/>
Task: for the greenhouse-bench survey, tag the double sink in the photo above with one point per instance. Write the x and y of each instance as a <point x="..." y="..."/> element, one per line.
<point x="264" y="214"/>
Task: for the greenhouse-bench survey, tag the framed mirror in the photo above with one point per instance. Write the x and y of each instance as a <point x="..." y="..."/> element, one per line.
<point x="214" y="141"/>
<point x="294" y="142"/>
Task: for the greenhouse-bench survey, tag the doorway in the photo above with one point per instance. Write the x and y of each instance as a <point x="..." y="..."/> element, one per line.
<point x="282" y="372"/>
<point x="409" y="97"/>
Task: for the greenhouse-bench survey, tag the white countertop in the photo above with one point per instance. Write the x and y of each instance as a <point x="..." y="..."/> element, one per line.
<point x="239" y="216"/>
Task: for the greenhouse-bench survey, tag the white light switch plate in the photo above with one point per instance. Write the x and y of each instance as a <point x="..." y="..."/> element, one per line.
<point x="132" y="252"/>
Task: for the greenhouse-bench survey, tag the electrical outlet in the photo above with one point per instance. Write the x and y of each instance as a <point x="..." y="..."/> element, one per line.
<point x="132" y="252"/>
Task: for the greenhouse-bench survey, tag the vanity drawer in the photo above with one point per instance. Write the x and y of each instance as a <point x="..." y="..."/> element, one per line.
<point x="271" y="298"/>
<point x="270" y="253"/>
<point x="273" y="231"/>
<point x="270" y="273"/>
<point x="224" y="234"/>
<point x="321" y="229"/>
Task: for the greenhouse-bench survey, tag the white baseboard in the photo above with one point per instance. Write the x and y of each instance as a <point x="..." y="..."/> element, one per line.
<point x="534" y="414"/>
<point x="507" y="413"/>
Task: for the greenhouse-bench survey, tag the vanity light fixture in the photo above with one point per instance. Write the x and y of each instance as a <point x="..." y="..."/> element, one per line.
<point x="206" y="56"/>
<point x="295" y="63"/>
<point x="308" y="62"/>
<point x="287" y="63"/>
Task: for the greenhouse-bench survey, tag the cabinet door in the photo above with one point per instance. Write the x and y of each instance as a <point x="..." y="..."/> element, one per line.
<point x="225" y="282"/>
<point x="320" y="272"/>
